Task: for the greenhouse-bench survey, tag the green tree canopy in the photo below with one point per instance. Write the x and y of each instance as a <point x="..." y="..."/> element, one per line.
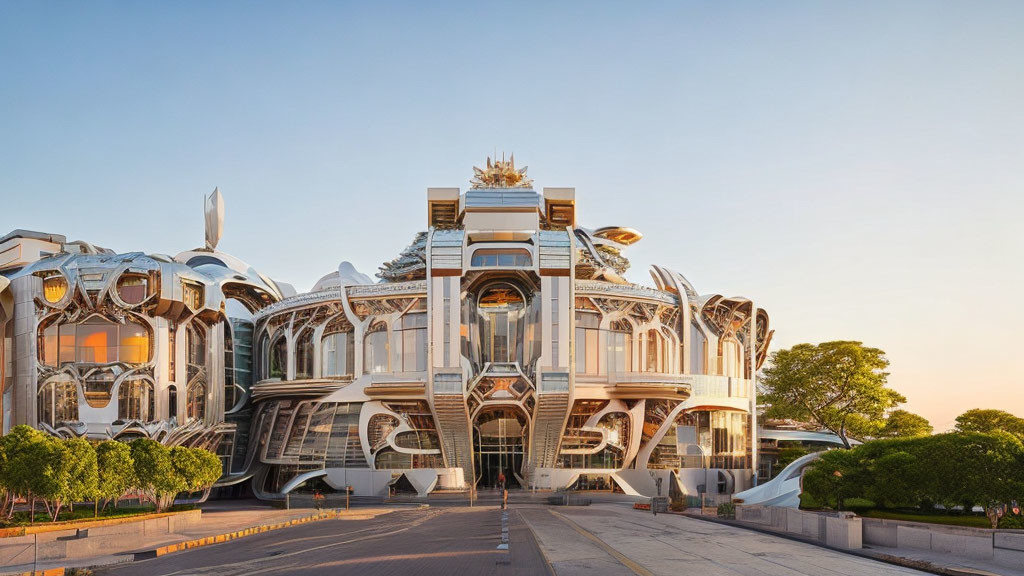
<point x="116" y="470"/>
<point x="82" y="473"/>
<point x="841" y="386"/>
<point x="986" y="420"/>
<point x="26" y="471"/>
<point x="198" y="468"/>
<point x="954" y="469"/>
<point x="155" y="473"/>
<point x="903" y="424"/>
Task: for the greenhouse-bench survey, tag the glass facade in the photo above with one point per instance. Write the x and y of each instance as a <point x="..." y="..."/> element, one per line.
<point x="95" y="341"/>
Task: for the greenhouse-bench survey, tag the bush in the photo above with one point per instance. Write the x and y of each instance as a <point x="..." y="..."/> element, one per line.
<point x="809" y="502"/>
<point x="727" y="510"/>
<point x="955" y="469"/>
<point x="1011" y="521"/>
<point x="858" y="504"/>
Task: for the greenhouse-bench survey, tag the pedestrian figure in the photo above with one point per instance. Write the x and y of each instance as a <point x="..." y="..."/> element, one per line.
<point x="501" y="481"/>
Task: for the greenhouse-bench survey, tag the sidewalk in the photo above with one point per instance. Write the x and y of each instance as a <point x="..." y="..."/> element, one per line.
<point x="933" y="562"/>
<point x="220" y="521"/>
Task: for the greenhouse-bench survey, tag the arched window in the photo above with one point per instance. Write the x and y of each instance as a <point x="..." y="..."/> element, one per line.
<point x="732" y="358"/>
<point x="375" y="349"/>
<point x="656" y="352"/>
<point x="94" y="341"/>
<point x="196" y="406"/>
<point x="501" y="257"/>
<point x="412" y="337"/>
<point x="135" y="400"/>
<point x="502" y="309"/>
<point x="172" y="402"/>
<point x="278" y="357"/>
<point x="195" y="350"/>
<point x="620" y="347"/>
<point x="58" y="403"/>
<point x="337" y="355"/>
<point x="304" y="355"/>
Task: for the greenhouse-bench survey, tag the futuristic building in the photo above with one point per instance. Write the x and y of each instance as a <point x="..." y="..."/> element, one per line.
<point x="120" y="346"/>
<point x="504" y="340"/>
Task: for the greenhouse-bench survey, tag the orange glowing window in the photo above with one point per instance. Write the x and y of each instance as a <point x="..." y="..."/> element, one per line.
<point x="54" y="289"/>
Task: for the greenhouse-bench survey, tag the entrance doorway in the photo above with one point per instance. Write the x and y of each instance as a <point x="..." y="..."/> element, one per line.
<point x="499" y="443"/>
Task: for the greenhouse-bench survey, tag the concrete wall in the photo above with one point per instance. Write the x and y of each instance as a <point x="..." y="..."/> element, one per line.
<point x="840" y="530"/>
<point x="1001" y="547"/>
<point x="62" y="544"/>
<point x="846" y="531"/>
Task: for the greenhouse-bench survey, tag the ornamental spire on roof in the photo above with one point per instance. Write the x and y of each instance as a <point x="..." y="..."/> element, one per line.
<point x="500" y="174"/>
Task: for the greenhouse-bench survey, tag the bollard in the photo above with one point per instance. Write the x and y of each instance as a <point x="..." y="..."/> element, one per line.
<point x="348" y="491"/>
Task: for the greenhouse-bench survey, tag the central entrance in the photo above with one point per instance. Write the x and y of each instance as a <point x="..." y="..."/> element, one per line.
<point x="499" y="443"/>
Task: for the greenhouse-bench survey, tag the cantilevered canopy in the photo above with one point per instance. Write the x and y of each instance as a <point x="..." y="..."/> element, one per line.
<point x="619" y="234"/>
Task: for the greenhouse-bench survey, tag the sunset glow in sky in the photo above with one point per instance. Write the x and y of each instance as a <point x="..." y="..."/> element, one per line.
<point x="855" y="168"/>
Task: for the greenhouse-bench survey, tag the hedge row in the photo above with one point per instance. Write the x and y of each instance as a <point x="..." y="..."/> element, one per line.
<point x="954" y="469"/>
<point x="58" y="472"/>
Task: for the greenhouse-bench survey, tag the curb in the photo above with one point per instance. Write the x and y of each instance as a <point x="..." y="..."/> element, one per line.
<point x="216" y="539"/>
<point x="885" y="558"/>
<point x="50" y="572"/>
<point x="227" y="537"/>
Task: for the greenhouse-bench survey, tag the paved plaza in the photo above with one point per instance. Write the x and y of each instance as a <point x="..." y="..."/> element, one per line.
<point x="603" y="539"/>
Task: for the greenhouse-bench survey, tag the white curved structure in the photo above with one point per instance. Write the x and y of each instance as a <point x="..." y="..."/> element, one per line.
<point x="783" y="490"/>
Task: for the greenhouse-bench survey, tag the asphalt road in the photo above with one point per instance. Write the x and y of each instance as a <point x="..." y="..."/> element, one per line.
<point x="459" y="541"/>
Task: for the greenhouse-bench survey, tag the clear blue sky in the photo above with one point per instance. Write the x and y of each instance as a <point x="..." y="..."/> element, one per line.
<point x="857" y="168"/>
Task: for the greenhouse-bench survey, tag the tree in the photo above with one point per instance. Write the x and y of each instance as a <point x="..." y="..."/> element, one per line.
<point x="116" y="471"/>
<point x="988" y="421"/>
<point x="156" y="476"/>
<point x="903" y="424"/>
<point x="52" y="473"/>
<point x="198" y="468"/>
<point x="838" y="385"/>
<point x="82" y="474"/>
<point x="27" y="457"/>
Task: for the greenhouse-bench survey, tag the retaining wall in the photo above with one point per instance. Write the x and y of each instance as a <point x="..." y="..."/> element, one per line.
<point x="999" y="546"/>
<point x="91" y="539"/>
<point x="840" y="530"/>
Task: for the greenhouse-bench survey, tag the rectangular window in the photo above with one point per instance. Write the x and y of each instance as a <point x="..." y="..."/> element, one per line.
<point x="447" y="319"/>
<point x="554" y="321"/>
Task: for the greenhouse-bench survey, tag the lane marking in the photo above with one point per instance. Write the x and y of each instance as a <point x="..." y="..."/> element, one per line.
<point x="636" y="568"/>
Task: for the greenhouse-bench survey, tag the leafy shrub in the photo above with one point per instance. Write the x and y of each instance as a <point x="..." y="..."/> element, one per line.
<point x="858" y="504"/>
<point x="809" y="502"/>
<point x="727" y="510"/>
<point x="1012" y="521"/>
<point x="954" y="469"/>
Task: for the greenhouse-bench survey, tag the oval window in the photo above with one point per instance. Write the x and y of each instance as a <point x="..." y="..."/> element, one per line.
<point x="132" y="288"/>
<point x="54" y="289"/>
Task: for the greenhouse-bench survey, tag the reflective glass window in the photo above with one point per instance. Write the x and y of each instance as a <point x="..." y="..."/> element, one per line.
<point x="375" y="349"/>
<point x="135" y="400"/>
<point x="336" y="351"/>
<point x="132" y="288"/>
<point x="54" y="288"/>
<point x="304" y="355"/>
<point x="504" y="258"/>
<point x="413" y="338"/>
